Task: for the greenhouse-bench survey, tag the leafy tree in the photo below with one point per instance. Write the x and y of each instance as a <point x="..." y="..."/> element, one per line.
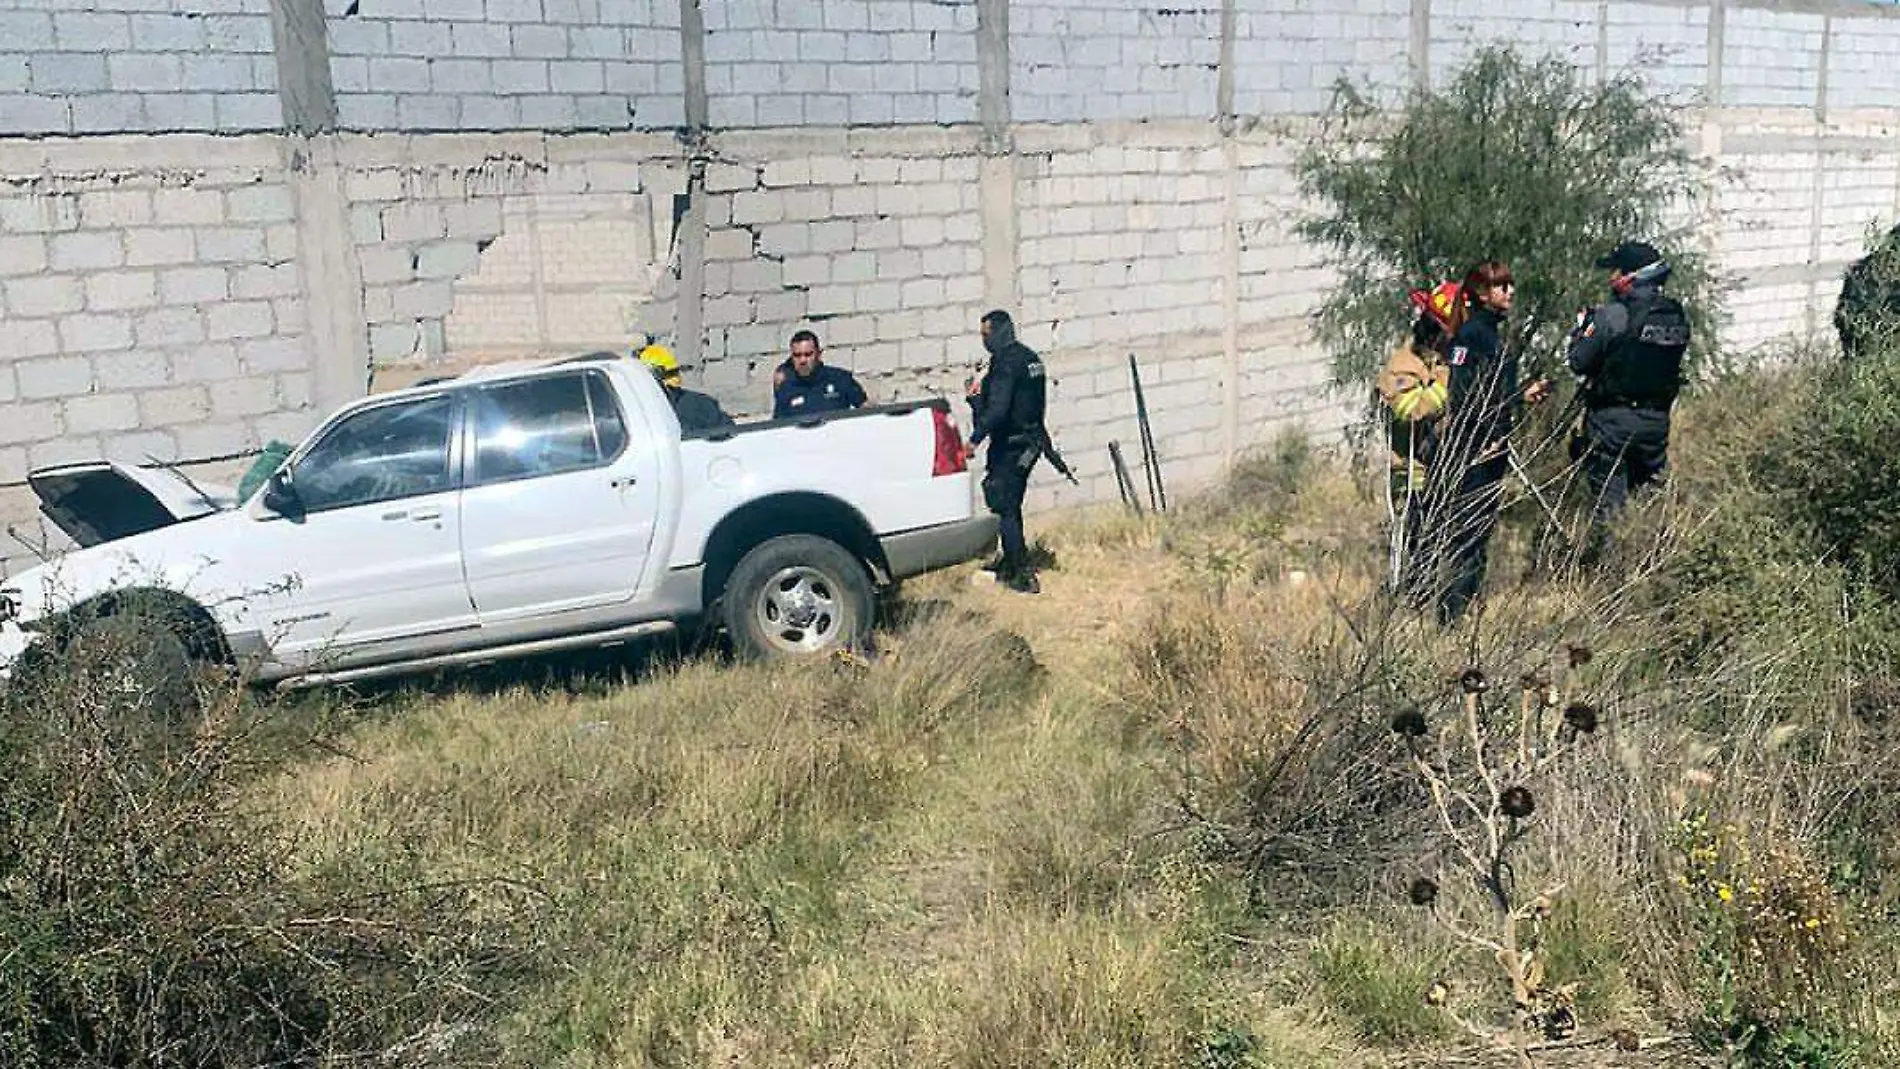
<point x="1517" y="160"/>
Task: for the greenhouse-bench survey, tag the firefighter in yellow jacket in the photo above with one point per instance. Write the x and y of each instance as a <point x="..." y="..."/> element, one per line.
<point x="1413" y="386"/>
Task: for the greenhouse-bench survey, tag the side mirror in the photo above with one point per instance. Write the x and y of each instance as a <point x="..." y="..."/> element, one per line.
<point x="280" y="495"/>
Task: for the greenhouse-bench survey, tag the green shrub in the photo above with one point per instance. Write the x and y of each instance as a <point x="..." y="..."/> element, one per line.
<point x="1835" y="469"/>
<point x="1530" y="162"/>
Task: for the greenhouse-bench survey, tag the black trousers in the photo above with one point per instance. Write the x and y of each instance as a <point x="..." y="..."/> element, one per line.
<point x="1466" y="518"/>
<point x="1623" y="449"/>
<point x="1005" y="482"/>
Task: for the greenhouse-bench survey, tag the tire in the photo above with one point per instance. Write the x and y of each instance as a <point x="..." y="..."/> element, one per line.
<point x="135" y="663"/>
<point x="797" y="596"/>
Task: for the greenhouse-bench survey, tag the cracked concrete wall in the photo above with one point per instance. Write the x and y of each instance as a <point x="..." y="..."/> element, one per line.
<point x="221" y="218"/>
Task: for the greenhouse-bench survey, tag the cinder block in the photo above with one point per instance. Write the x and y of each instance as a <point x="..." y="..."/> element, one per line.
<point x="837" y="235"/>
<point x="244" y="396"/>
<point x="25" y="338"/>
<point x="22" y="254"/>
<point x="580" y="77"/>
<point x="87" y="251"/>
<point x="44" y="295"/>
<point x="212" y="362"/>
<point x="145" y="72"/>
<point x="414" y="221"/>
<point x="193" y="285"/>
<point x="731" y="178"/>
<point x="266" y="281"/>
<point x="750" y="208"/>
<point x="109" y="114"/>
<point x="517" y="76"/>
<point x="238" y="319"/>
<point x="393" y="342"/>
<point x="36" y="114"/>
<point x="480" y="39"/>
<point x="483" y="112"/>
<point x="260" y="204"/>
<point x="238" y="33"/>
<point x="179" y="404"/>
<point x="170" y="327"/>
<point x="102" y="412"/>
<point x="70" y="73"/>
<point x="120" y="290"/>
<point x="61" y="376"/>
<point x="424" y="300"/>
<point x="28" y="31"/>
<point x="549" y="113"/>
<point x="447" y="260"/>
<point x="275" y="354"/>
<point x="30" y="423"/>
<point x="230" y="244"/>
<point x="90" y="333"/>
<point x="426" y="113"/>
<point x="249" y="111"/>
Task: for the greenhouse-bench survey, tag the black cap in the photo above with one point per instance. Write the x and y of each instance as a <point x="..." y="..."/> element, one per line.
<point x="1630" y="256"/>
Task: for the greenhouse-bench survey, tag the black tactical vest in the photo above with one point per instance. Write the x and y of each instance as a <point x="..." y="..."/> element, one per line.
<point x="1644" y="364"/>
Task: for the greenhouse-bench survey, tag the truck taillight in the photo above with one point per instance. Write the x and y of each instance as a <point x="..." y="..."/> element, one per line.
<point x="949" y="455"/>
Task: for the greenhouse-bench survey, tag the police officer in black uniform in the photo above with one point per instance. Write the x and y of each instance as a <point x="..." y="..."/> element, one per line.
<point x="1007" y="407"/>
<point x="1629" y="355"/>
<point x="805" y="385"/>
<point x="1466" y="487"/>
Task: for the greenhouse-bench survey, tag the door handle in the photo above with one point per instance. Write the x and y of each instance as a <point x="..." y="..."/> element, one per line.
<point x="426" y="515"/>
<point x="623" y="482"/>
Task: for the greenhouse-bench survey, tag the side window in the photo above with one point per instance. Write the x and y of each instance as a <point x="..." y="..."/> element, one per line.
<point x="380" y="454"/>
<point x="545" y="426"/>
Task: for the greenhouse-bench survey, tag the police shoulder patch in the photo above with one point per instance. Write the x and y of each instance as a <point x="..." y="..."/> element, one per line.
<point x="1458" y="355"/>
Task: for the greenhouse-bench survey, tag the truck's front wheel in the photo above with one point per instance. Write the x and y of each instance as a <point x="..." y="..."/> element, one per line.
<point x="797" y="595"/>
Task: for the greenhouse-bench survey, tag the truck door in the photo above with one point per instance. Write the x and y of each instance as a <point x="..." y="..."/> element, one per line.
<point x="373" y="563"/>
<point x="562" y="493"/>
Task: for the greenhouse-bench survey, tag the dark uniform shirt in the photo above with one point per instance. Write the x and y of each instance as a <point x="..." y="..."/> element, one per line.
<point x="826" y="389"/>
<point x="1622" y="369"/>
<point x="696" y="411"/>
<point x="1011" y="401"/>
<point x="1481" y="403"/>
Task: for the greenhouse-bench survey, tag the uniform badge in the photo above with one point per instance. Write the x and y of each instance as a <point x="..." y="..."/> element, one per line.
<point x="1458" y="355"/>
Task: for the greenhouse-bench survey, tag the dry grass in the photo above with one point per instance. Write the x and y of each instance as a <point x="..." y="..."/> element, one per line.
<point x="1156" y="816"/>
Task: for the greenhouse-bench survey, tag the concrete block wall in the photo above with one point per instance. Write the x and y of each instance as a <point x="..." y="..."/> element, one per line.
<point x="1772" y="59"/>
<point x="157" y="312"/>
<point x="418" y="65"/>
<point x="471" y="180"/>
<point x="1288" y="54"/>
<point x="1100" y="60"/>
<point x="112" y="66"/>
<point x="872" y="242"/>
<point x="1861" y="69"/>
<point x="1566" y="28"/>
<point x="1668" y="44"/>
<point x="841" y="62"/>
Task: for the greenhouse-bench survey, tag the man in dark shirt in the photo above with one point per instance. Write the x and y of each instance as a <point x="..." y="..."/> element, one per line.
<point x="1629" y="354"/>
<point x="806" y="386"/>
<point x="695" y="410"/>
<point x="1007" y="407"/>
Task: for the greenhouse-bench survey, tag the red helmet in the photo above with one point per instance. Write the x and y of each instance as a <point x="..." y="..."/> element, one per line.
<point x="1441" y="303"/>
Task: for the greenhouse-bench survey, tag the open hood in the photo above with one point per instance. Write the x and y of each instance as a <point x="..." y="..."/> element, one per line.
<point x="103" y="501"/>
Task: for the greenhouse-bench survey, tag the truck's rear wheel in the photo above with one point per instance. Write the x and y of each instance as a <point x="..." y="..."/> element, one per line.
<point x="797" y="595"/>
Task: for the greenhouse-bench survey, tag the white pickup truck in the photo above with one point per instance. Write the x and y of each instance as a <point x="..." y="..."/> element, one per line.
<point x="517" y="509"/>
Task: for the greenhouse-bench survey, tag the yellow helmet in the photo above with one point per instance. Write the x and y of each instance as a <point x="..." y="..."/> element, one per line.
<point x="660" y="359"/>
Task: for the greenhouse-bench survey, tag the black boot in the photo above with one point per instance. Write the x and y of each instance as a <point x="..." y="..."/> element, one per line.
<point x="1021" y="580"/>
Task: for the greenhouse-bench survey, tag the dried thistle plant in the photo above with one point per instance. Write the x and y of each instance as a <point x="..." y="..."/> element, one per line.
<point x="1479" y="766"/>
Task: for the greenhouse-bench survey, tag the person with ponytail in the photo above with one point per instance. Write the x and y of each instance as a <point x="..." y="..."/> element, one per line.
<point x="1481" y="408"/>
